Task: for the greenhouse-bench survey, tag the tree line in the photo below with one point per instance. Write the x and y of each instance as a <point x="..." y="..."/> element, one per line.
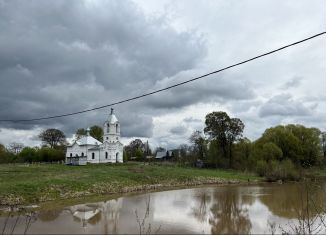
<point x="282" y="152"/>
<point x="53" y="149"/>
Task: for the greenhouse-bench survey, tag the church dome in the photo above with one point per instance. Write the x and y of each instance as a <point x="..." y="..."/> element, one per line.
<point x="112" y="118"/>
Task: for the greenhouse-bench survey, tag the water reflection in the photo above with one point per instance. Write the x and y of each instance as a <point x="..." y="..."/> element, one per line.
<point x="292" y="199"/>
<point x="221" y="209"/>
<point x="229" y="213"/>
<point x="200" y="210"/>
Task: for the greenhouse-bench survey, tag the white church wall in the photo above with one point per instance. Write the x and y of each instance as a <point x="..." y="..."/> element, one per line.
<point x="110" y="151"/>
<point x="93" y="156"/>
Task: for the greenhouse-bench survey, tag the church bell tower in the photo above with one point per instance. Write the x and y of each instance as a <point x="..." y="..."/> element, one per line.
<point x="111" y="129"/>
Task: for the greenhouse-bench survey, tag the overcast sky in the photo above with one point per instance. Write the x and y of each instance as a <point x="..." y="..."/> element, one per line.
<point x="65" y="56"/>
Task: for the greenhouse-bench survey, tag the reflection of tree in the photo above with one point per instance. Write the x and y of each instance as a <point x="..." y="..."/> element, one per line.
<point x="228" y="214"/>
<point x="21" y="216"/>
<point x="200" y="210"/>
<point x="307" y="207"/>
<point x="289" y="200"/>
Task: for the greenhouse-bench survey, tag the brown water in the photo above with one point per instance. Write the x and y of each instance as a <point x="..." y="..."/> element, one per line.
<point x="211" y="209"/>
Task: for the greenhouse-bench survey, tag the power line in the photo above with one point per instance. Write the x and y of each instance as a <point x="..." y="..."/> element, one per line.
<point x="166" y="88"/>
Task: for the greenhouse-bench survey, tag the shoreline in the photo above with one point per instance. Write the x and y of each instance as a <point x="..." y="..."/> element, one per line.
<point x="127" y="191"/>
<point x="26" y="184"/>
<point x="23" y="185"/>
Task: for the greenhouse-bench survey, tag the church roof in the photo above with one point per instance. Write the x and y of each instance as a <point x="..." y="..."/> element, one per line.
<point x="88" y="140"/>
<point x="112" y="118"/>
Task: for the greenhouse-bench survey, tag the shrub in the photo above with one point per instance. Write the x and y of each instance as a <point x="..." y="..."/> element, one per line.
<point x="284" y="170"/>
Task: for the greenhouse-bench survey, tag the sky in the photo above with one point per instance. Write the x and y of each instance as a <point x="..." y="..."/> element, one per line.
<point x="61" y="56"/>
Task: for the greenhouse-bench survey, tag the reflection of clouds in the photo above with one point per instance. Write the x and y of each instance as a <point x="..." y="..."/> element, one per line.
<point x="259" y="215"/>
<point x="178" y="217"/>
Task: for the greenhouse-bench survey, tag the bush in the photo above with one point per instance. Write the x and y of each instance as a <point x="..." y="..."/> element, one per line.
<point x="276" y="170"/>
<point x="29" y="155"/>
<point x="261" y="167"/>
<point x="49" y="155"/>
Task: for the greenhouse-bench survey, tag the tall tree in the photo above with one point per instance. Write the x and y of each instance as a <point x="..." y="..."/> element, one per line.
<point x="225" y="130"/>
<point x="53" y="137"/>
<point x="323" y="142"/>
<point x="135" y="149"/>
<point x="298" y="143"/>
<point x="198" y="142"/>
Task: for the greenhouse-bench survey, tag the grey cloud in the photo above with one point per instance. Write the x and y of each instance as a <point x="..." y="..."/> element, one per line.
<point x="218" y="88"/>
<point x="64" y="56"/>
<point x="192" y="120"/>
<point x="178" y="130"/>
<point x="292" y="83"/>
<point x="284" y="105"/>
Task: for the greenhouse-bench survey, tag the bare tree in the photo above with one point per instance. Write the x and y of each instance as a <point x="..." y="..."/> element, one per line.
<point x="53" y="137"/>
<point x="15" y="147"/>
<point x="144" y="226"/>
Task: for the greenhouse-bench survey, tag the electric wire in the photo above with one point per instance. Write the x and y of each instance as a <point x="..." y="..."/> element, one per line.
<point x="168" y="87"/>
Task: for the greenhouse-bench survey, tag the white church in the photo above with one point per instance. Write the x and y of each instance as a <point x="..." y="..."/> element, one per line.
<point x="87" y="149"/>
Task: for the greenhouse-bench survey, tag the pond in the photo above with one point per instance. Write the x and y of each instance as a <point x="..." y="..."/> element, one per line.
<point x="211" y="209"/>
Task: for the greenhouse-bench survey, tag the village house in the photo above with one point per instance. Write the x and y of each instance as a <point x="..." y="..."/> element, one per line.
<point x="89" y="150"/>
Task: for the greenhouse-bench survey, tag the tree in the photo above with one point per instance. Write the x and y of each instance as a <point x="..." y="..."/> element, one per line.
<point x="199" y="144"/>
<point x="323" y="142"/>
<point x="5" y="155"/>
<point x="298" y="143"/>
<point x="95" y="131"/>
<point x="233" y="134"/>
<point x="53" y="137"/>
<point x="135" y="149"/>
<point x="80" y="133"/>
<point x="225" y="130"/>
<point x="137" y="144"/>
<point x="15" y="147"/>
<point x="242" y="152"/>
<point x="29" y="155"/>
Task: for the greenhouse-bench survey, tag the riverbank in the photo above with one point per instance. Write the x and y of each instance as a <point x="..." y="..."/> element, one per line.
<point x="22" y="184"/>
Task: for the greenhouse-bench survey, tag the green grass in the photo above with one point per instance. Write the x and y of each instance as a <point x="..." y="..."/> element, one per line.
<point x="27" y="183"/>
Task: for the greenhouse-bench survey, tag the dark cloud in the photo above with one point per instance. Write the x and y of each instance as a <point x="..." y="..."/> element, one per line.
<point x="63" y="56"/>
<point x="219" y="88"/>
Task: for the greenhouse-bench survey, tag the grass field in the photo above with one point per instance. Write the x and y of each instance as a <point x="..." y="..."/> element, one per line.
<point x="33" y="183"/>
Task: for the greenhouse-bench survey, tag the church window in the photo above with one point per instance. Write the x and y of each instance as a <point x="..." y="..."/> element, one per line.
<point x="70" y="154"/>
<point x="107" y="138"/>
<point x="82" y="154"/>
<point x="106" y="155"/>
<point x="116" y="128"/>
<point x="108" y="128"/>
<point x="93" y="155"/>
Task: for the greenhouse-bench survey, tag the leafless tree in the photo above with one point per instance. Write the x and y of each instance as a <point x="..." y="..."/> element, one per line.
<point x="15" y="147"/>
<point x="144" y="227"/>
